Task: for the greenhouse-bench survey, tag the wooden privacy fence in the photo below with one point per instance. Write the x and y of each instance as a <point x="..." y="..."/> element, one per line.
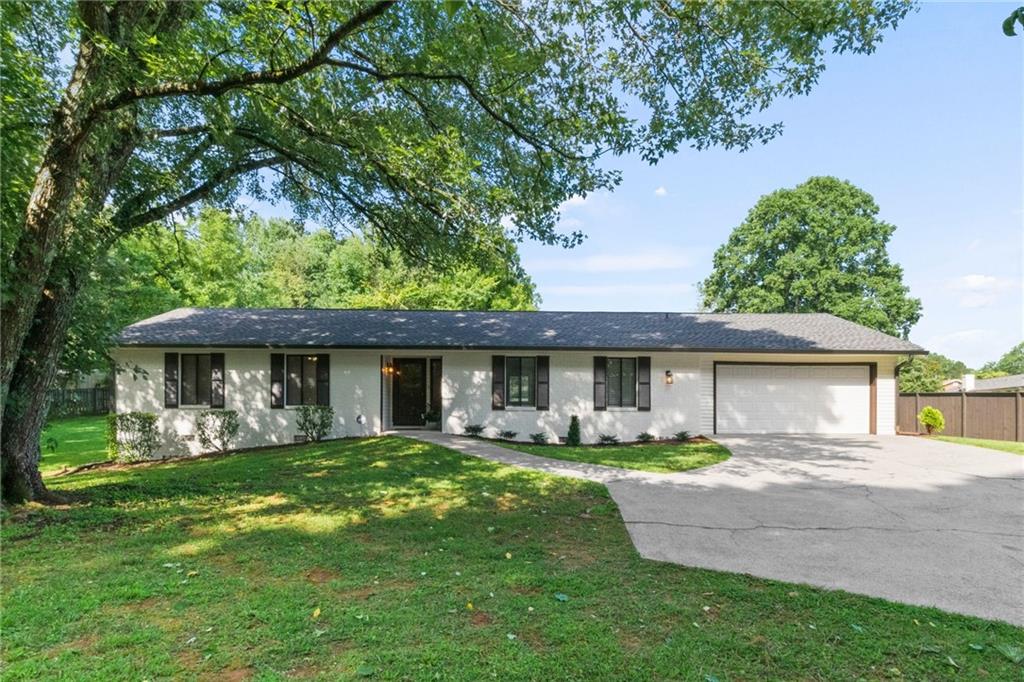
<point x="69" y="402"/>
<point x="997" y="416"/>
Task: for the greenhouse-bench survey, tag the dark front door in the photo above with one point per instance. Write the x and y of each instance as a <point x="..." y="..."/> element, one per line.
<point x="409" y="392"/>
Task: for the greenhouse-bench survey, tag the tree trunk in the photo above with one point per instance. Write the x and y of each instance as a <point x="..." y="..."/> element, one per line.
<point x="26" y="409"/>
<point x="55" y="185"/>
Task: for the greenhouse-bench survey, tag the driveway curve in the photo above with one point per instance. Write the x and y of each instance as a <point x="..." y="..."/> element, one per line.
<point x="907" y="519"/>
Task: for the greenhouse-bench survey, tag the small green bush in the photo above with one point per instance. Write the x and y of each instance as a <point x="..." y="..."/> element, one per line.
<point x="215" y="429"/>
<point x="474" y="429"/>
<point x="573" y="437"/>
<point x="315" y="421"/>
<point x="645" y="437"/>
<point x="682" y="435"/>
<point x="540" y="438"/>
<point x="607" y="439"/>
<point x="508" y="435"/>
<point x="136" y="436"/>
<point x="112" y="436"/>
<point x="932" y="419"/>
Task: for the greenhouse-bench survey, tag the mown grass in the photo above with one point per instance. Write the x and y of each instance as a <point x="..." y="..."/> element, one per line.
<point x="662" y="458"/>
<point x="397" y="559"/>
<point x="1004" y="445"/>
<point x="73" y="441"/>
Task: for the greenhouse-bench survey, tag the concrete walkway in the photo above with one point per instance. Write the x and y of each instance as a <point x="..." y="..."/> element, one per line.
<point x="907" y="519"/>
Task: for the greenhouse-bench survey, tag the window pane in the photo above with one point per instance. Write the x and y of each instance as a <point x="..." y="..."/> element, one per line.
<point x="629" y="382"/>
<point x="293" y="396"/>
<point x="188" y="379"/>
<point x="614" y="385"/>
<point x="203" y="379"/>
<point x="309" y="380"/>
<point x="527" y="377"/>
<point x="512" y="366"/>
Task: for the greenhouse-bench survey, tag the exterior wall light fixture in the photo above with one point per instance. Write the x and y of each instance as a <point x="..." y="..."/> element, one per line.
<point x="668" y="376"/>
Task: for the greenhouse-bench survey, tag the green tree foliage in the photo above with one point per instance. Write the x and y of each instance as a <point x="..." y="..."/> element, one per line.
<point x="818" y="247"/>
<point x="1011" y="363"/>
<point x="932" y="419"/>
<point x="221" y="258"/>
<point x="925" y="374"/>
<point x="431" y="123"/>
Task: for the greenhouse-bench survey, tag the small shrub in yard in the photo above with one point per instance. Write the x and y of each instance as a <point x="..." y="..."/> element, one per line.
<point x="645" y="437"/>
<point x="607" y="439"/>
<point x="315" y="421"/>
<point x="474" y="429"/>
<point x="215" y="429"/>
<point x="540" y="438"/>
<point x="573" y="437"/>
<point x="508" y="435"/>
<point x="682" y="435"/>
<point x="136" y="436"/>
<point x="932" y="419"/>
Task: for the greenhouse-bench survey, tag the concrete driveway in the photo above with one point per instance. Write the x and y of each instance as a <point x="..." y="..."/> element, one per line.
<point x="907" y="519"/>
<point x="903" y="518"/>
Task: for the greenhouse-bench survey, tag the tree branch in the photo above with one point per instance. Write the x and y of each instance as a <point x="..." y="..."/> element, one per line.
<point x="249" y="78"/>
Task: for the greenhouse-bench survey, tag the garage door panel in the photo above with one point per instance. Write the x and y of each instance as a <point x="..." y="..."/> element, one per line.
<point x="792" y="399"/>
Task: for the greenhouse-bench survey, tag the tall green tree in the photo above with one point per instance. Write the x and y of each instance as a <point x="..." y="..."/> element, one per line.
<point x="430" y="122"/>
<point x="818" y="247"/>
<point x="1011" y="363"/>
<point x="925" y="374"/>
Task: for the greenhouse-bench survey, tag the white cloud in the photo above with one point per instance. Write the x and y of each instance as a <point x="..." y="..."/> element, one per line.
<point x="613" y="262"/>
<point x="978" y="291"/>
<point x="613" y="289"/>
<point x="570" y="223"/>
<point x="572" y="202"/>
<point x="661" y="191"/>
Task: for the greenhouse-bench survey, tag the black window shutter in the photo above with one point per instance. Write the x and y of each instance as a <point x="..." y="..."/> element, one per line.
<point x="497" y="382"/>
<point x="543" y="382"/>
<point x="216" y="380"/>
<point x="170" y="379"/>
<point x="600" y="374"/>
<point x="643" y="384"/>
<point x="323" y="379"/>
<point x="276" y="380"/>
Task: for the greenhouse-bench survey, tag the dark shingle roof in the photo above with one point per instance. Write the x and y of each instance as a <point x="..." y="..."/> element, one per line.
<point x="256" y="327"/>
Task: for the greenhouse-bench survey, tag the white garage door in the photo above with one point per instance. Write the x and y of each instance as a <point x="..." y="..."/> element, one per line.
<point x="793" y="399"/>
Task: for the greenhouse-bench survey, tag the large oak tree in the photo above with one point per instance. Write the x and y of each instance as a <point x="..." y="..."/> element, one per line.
<point x="816" y="248"/>
<point x="433" y="123"/>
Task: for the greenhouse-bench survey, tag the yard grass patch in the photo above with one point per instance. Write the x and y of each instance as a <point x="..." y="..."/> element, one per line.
<point x="662" y="458"/>
<point x="72" y="441"/>
<point x="1004" y="445"/>
<point x="397" y="559"/>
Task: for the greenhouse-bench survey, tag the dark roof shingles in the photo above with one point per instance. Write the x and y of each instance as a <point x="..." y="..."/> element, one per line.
<point x="773" y="332"/>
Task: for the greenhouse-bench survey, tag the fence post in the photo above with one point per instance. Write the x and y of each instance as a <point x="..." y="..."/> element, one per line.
<point x="1018" y="427"/>
<point x="917" y="411"/>
<point x="963" y="414"/>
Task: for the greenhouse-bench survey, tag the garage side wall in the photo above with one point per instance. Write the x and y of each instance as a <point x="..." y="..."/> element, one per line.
<point x="354" y="392"/>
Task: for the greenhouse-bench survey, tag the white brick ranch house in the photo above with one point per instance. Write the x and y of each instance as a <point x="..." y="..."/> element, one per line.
<point x="529" y="372"/>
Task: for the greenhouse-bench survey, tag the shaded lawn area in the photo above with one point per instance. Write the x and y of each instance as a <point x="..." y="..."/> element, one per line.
<point x="662" y="458"/>
<point x="73" y="441"/>
<point x="1004" y="445"/>
<point x="404" y="560"/>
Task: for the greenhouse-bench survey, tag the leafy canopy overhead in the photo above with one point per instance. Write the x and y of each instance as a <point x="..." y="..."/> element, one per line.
<point x="818" y="247"/>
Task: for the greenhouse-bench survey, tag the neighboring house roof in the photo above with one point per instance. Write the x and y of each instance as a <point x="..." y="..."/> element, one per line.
<point x="435" y="329"/>
<point x="1013" y="381"/>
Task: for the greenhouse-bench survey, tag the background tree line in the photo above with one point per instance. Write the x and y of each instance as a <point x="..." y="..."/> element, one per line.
<point x="225" y="258"/>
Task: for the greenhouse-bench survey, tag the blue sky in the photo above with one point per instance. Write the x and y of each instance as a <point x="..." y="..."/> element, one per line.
<point x="930" y="125"/>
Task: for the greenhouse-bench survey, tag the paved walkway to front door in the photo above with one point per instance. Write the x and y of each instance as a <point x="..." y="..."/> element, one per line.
<point x="907" y="519"/>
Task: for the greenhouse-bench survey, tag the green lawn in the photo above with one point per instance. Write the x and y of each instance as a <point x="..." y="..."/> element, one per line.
<point x="1004" y="445"/>
<point x="657" y="457"/>
<point x="73" y="441"/>
<point x="397" y="559"/>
